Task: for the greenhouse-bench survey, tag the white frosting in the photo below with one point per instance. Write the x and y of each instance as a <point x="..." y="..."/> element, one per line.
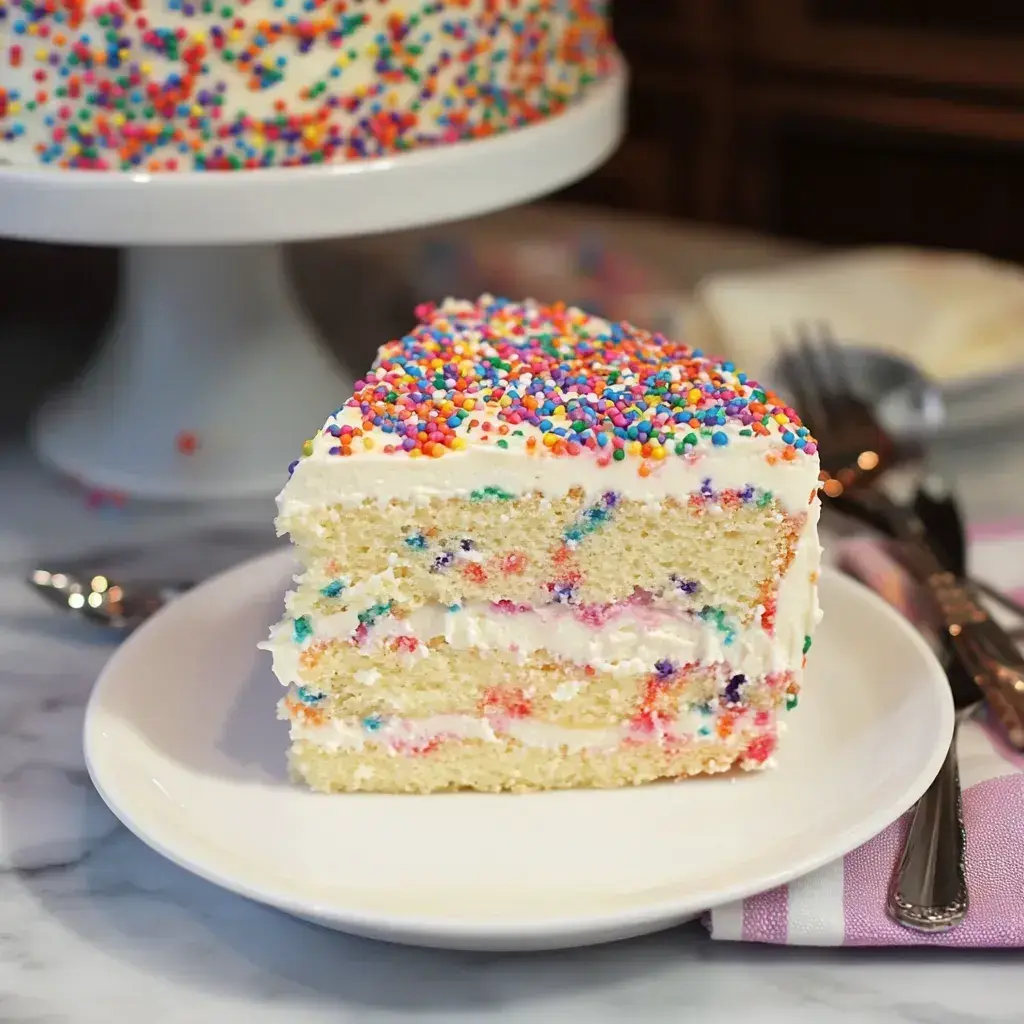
<point x="300" y="78"/>
<point x="350" y="734"/>
<point x="566" y="691"/>
<point x="521" y="463"/>
<point x="628" y="644"/>
<point x="336" y="734"/>
<point x="323" y="479"/>
<point x="284" y="654"/>
<point x="797" y="609"/>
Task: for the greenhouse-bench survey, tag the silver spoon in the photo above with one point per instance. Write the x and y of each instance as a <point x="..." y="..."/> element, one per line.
<point x="114" y="606"/>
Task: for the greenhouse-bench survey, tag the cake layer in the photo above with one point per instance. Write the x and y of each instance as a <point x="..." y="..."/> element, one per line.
<point x="330" y="629"/>
<point x="468" y="682"/>
<point x="466" y="753"/>
<point x="619" y="652"/>
<point x="723" y="549"/>
<point x="182" y="85"/>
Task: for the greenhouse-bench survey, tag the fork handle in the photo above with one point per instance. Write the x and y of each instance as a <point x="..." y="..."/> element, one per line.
<point x="929" y="888"/>
<point x="985" y="649"/>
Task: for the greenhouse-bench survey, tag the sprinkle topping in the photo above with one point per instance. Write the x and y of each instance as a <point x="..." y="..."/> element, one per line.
<point x="553" y="380"/>
<point x="222" y="85"/>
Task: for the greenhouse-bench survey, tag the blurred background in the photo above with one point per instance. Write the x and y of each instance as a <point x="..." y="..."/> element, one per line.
<point x="760" y="132"/>
<point x="842" y="121"/>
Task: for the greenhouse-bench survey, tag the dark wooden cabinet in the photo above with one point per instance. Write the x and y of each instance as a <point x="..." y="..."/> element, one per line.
<point x="844" y="121"/>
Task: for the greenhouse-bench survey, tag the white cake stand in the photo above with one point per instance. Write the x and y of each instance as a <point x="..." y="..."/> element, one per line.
<point x="210" y="376"/>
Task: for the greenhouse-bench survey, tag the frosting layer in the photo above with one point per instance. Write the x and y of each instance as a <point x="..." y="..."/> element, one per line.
<point x="622" y="641"/>
<point x="416" y="735"/>
<point x="514" y="398"/>
<point x="321" y="479"/>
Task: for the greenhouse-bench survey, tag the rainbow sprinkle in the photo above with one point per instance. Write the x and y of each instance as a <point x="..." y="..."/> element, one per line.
<point x="552" y="380"/>
<point x="221" y="85"/>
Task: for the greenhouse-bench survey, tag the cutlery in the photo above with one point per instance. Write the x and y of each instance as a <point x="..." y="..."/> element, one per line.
<point x="936" y="507"/>
<point x="928" y="891"/>
<point x="118" y="607"/>
<point x="938" y="525"/>
<point x="855" y="451"/>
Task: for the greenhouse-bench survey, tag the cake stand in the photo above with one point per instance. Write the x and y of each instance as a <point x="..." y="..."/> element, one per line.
<point x="210" y="375"/>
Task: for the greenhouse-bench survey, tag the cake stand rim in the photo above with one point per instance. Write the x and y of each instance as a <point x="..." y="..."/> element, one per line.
<point x="140" y="209"/>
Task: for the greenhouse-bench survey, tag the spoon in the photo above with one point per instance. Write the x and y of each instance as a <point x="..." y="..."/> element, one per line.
<point x="114" y="606"/>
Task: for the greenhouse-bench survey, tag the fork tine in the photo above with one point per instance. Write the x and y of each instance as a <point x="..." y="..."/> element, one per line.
<point x="806" y="383"/>
<point x="835" y="359"/>
<point x="794" y="378"/>
<point x="811" y="362"/>
<point x="811" y="367"/>
<point x="834" y="355"/>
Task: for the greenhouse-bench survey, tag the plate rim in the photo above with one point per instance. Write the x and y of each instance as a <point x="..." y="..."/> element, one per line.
<point x="577" y="929"/>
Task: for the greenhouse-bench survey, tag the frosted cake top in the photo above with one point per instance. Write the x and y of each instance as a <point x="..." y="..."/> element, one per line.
<point x="557" y="386"/>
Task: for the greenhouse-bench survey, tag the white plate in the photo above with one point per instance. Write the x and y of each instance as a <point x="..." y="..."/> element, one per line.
<point x="182" y="743"/>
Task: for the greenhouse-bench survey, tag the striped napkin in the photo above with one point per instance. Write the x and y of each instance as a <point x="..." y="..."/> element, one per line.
<point x="843" y="903"/>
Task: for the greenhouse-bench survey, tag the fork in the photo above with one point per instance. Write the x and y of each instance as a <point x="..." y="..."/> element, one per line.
<point x="854" y="446"/>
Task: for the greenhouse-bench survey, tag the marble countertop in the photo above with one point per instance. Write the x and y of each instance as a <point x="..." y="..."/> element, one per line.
<point x="96" y="927"/>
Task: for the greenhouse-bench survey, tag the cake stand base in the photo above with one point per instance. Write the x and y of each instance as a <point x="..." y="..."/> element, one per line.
<point x="208" y="381"/>
<point x="210" y="378"/>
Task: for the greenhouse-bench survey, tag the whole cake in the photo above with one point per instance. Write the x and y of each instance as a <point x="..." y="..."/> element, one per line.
<point x="165" y="85"/>
<point x="543" y="550"/>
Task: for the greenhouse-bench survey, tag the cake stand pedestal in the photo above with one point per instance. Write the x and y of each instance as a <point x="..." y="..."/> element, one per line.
<point x="210" y="375"/>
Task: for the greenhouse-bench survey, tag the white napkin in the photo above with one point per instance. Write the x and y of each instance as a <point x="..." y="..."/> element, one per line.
<point x="959" y="316"/>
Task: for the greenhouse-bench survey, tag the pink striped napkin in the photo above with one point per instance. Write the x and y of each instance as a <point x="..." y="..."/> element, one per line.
<point x="843" y="903"/>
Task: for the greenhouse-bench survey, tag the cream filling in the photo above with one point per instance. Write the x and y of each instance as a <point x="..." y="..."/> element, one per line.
<point x="628" y="644"/>
<point x="337" y="733"/>
<point x="349" y="734"/>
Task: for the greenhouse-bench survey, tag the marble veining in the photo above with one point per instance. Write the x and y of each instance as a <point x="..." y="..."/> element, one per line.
<point x="95" y="927"/>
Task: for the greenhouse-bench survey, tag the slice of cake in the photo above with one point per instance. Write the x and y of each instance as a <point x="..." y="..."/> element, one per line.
<point x="542" y="550"/>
